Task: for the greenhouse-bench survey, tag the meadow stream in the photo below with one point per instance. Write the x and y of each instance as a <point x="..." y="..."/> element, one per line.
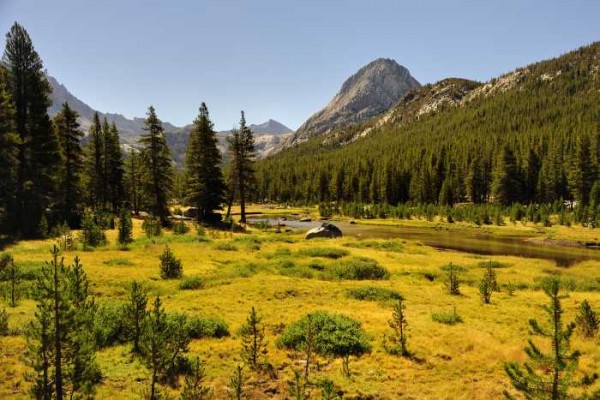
<point x="443" y="239"/>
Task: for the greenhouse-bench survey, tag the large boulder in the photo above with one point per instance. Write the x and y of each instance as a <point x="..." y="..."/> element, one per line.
<point x="326" y="230"/>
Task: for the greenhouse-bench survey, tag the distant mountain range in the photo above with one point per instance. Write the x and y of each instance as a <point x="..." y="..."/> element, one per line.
<point x="267" y="135"/>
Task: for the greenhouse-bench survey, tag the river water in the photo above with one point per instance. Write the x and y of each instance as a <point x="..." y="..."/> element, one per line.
<point x="463" y="241"/>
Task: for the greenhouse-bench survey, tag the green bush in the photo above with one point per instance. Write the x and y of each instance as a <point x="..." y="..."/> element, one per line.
<point x="492" y="264"/>
<point x="447" y="318"/>
<point x="226" y="246"/>
<point x="151" y="226"/>
<point x="334" y="335"/>
<point x="170" y="267"/>
<point x="372" y="293"/>
<point x="4" y="331"/>
<point x="325" y="252"/>
<point x="204" y="327"/>
<point x="279" y="252"/>
<point x="360" y="268"/>
<point x="191" y="283"/>
<point x="118" y="261"/>
<point x="316" y="265"/>
<point x="110" y="326"/>
<point x="180" y="228"/>
<point x="387" y="245"/>
<point x="91" y="234"/>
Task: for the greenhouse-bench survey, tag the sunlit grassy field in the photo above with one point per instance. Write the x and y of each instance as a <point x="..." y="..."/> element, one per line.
<point x="274" y="273"/>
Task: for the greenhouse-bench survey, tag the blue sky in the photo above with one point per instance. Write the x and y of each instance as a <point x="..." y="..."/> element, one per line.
<point x="281" y="59"/>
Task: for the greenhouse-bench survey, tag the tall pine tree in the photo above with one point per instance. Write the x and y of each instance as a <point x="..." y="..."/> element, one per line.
<point x="61" y="342"/>
<point x="205" y="186"/>
<point x="241" y="149"/>
<point x="71" y="191"/>
<point x="39" y="150"/>
<point x="157" y="177"/>
<point x="506" y="184"/>
<point x="115" y="170"/>
<point x="9" y="142"/>
<point x="95" y="163"/>
<point x="582" y="173"/>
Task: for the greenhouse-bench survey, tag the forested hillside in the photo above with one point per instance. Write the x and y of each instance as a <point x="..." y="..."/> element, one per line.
<point x="532" y="136"/>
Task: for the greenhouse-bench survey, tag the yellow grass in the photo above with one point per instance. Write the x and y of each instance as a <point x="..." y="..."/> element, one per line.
<point x="464" y="361"/>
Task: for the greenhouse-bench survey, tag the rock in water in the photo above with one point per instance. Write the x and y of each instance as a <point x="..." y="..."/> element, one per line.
<point x="326" y="230"/>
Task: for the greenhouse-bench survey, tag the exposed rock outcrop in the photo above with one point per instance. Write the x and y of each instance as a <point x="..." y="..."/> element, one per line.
<point x="326" y="230"/>
<point x="371" y="91"/>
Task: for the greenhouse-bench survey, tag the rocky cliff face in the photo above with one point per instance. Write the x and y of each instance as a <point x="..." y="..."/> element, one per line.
<point x="371" y="91"/>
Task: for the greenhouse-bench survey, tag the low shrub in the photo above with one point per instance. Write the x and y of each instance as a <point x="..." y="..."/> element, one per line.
<point x="285" y="263"/>
<point x="151" y="226"/>
<point x="334" y="335"/>
<point x="118" y="261"/>
<point x="91" y="234"/>
<point x="110" y="326"/>
<point x="226" y="246"/>
<point x="386" y="245"/>
<point x="360" y="268"/>
<point x="447" y="318"/>
<point x="325" y="252"/>
<point x="372" y="293"/>
<point x="180" y="228"/>
<point x="191" y="283"/>
<point x="203" y="327"/>
<point x="492" y="264"/>
<point x="278" y="253"/>
<point x="316" y="266"/>
<point x="4" y="331"/>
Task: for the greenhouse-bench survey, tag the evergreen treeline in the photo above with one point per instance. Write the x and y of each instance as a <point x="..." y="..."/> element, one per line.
<point x="49" y="179"/>
<point x="538" y="142"/>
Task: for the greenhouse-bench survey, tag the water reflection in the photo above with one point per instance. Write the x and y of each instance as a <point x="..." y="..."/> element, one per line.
<point x="442" y="239"/>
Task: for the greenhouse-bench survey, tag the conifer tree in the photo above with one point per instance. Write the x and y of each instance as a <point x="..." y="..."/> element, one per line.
<point x="39" y="150"/>
<point x="236" y="383"/>
<point x="115" y="170"/>
<point x="83" y="373"/>
<point x="157" y="178"/>
<point x="95" y="163"/>
<point x="135" y="313"/>
<point x="154" y="345"/>
<point x="582" y="174"/>
<point x="9" y="149"/>
<point x="547" y="376"/>
<point x="10" y="271"/>
<point x="587" y="320"/>
<point x="205" y="185"/>
<point x="162" y="343"/>
<point x="133" y="180"/>
<point x="71" y="192"/>
<point x="506" y="184"/>
<point x="254" y="345"/>
<point x="61" y="344"/>
<point x="125" y="227"/>
<point x="241" y="150"/>
<point x="194" y="387"/>
<point x="398" y="323"/>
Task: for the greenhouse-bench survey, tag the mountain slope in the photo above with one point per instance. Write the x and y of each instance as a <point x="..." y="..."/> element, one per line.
<point x="369" y="92"/>
<point x="447" y="141"/>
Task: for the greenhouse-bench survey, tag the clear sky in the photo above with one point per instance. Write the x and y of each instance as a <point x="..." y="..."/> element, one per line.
<point x="281" y="59"/>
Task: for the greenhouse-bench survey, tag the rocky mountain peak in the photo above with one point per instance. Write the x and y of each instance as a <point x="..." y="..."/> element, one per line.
<point x="372" y="90"/>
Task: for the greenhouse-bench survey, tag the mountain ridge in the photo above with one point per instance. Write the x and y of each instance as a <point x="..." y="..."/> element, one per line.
<point x="370" y="91"/>
<point x="268" y="134"/>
